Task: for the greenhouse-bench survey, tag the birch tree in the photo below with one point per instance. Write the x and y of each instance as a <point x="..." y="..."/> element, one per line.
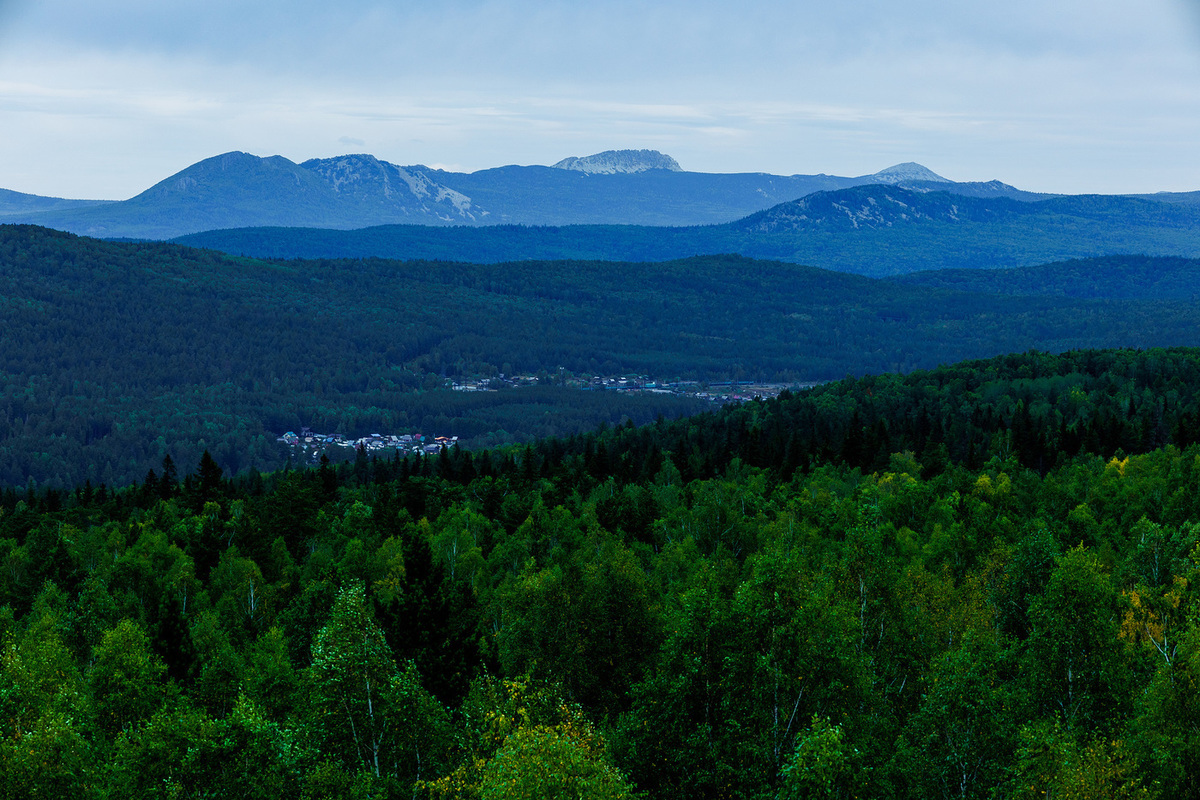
<point x="368" y="712"/>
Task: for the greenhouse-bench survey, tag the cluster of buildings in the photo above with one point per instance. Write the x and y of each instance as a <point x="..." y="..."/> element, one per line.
<point x="721" y="393"/>
<point x="311" y="441"/>
<point x="311" y="444"/>
<point x="615" y="382"/>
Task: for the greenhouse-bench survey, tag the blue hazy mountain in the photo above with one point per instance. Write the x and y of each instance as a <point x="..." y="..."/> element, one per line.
<point x="18" y="204"/>
<point x="872" y="229"/>
<point x="237" y="189"/>
<point x="620" y="187"/>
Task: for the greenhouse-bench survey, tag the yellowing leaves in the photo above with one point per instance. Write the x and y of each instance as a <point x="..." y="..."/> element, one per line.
<point x="1151" y="616"/>
<point x="388" y="569"/>
<point x="1116" y="466"/>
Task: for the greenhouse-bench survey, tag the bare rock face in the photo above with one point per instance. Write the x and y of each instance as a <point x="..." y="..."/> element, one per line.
<point x="611" y="162"/>
<point x="907" y="172"/>
<point x="407" y="190"/>
<point x="879" y="206"/>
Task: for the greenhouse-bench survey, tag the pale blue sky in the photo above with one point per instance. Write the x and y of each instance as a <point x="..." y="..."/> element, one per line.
<point x="103" y="99"/>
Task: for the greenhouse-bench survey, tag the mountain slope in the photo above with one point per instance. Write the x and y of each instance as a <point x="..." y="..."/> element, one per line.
<point x="227" y="190"/>
<point x="872" y="230"/>
<point x="659" y="197"/>
<point x="373" y="189"/>
<point x="876" y="206"/>
<point x="17" y="203"/>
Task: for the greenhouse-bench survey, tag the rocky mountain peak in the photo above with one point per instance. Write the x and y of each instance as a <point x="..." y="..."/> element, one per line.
<point x="908" y="171"/>
<point x="611" y="162"/>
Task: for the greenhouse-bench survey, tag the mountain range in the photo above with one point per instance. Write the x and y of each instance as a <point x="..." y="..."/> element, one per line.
<point x="621" y="187"/>
<point x="872" y="229"/>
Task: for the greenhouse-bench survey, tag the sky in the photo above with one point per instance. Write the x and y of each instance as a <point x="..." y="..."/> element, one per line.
<point x="104" y="99"/>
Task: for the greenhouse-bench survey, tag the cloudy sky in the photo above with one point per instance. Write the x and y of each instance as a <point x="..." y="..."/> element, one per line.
<point x="103" y="99"/>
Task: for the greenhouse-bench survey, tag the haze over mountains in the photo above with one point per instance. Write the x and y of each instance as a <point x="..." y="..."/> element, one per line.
<point x="621" y="205"/>
<point x="622" y="187"/>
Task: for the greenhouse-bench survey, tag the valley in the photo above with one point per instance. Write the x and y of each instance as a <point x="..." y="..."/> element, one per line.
<point x="115" y="355"/>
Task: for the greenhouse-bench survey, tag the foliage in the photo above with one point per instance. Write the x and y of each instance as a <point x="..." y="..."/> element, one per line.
<point x="759" y="602"/>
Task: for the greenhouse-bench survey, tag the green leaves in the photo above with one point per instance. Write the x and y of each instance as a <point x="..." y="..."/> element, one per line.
<point x="539" y="762"/>
<point x="616" y="625"/>
<point x="1078" y="665"/>
<point x="586" y="624"/>
<point x="365" y="711"/>
<point x="818" y="768"/>
<point x="960" y="741"/>
<point x="43" y="750"/>
<point x="125" y="678"/>
<point x="522" y="742"/>
<point x="183" y="752"/>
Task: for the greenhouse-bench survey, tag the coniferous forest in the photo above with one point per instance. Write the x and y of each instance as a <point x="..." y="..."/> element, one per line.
<point x="978" y="581"/>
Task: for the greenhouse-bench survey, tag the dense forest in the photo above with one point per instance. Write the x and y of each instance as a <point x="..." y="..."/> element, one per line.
<point x="975" y="581"/>
<point x="1110" y="277"/>
<point x="114" y="355"/>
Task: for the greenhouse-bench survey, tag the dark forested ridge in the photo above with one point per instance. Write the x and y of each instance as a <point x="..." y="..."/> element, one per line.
<point x="1111" y="278"/>
<point x="872" y="230"/>
<point x="114" y="355"/>
<point x="975" y="581"/>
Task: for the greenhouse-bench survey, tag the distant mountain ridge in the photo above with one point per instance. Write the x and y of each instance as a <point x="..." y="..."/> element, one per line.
<point x="875" y="206"/>
<point x="872" y="230"/>
<point x="616" y="187"/>
<point x="17" y="203"/>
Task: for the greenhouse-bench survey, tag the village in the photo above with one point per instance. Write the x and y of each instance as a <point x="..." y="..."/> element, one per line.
<point x="719" y="393"/>
<point x="310" y="445"/>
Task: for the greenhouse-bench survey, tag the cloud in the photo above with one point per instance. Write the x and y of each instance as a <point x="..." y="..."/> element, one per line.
<point x="1021" y="90"/>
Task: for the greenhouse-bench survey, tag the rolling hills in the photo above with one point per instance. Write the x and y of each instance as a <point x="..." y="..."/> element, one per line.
<point x="115" y="354"/>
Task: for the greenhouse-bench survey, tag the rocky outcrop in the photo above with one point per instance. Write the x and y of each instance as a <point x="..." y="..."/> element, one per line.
<point x="611" y="162"/>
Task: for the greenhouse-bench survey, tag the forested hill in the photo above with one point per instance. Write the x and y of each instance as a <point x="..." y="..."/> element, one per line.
<point x="114" y="355"/>
<point x="882" y="587"/>
<point x="872" y="230"/>
<point x="1112" y="277"/>
<point x="1038" y="409"/>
